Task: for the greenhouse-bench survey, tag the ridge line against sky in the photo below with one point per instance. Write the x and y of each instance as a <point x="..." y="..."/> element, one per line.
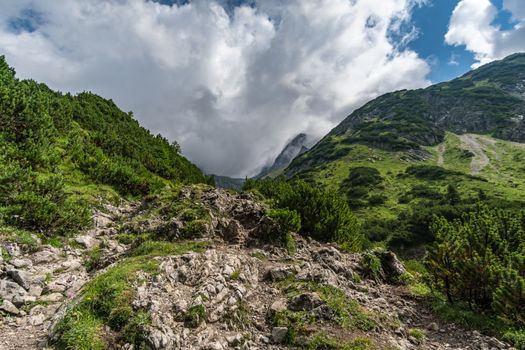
<point x="232" y="81"/>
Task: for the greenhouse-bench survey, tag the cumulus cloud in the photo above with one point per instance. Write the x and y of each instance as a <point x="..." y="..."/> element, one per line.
<point x="230" y="84"/>
<point x="472" y="24"/>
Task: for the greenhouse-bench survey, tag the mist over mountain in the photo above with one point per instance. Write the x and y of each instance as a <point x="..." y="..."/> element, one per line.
<point x="297" y="146"/>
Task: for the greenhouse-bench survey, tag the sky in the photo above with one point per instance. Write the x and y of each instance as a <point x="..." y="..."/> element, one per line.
<point x="234" y="80"/>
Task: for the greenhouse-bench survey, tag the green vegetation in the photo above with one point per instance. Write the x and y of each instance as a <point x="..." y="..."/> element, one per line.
<point x="371" y="266"/>
<point x="54" y="147"/>
<point x="348" y="313"/>
<point x="323" y="214"/>
<point x="358" y="184"/>
<point x="93" y="258"/>
<point x="417" y="333"/>
<point x="515" y="337"/>
<point x="195" y="315"/>
<point x="480" y="260"/>
<point x="106" y="301"/>
<point x="323" y="342"/>
<point x="288" y="221"/>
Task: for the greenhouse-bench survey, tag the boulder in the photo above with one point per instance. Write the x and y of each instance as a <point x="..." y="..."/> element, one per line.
<point x="87" y="242"/>
<point x="21" y="277"/>
<point x="312" y="303"/>
<point x="279" y="334"/>
<point x="9" y="307"/>
<point x="35" y="290"/>
<point x="19" y="263"/>
<point x="276" y="274"/>
<point x="48" y="255"/>
<point x="9" y="289"/>
<point x="278" y="306"/>
<point x="22" y="299"/>
<point x="305" y="302"/>
<point x="160" y="338"/>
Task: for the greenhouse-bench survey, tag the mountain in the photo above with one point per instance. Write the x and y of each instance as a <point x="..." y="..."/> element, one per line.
<point x="111" y="239"/>
<point x="59" y="153"/>
<point x="228" y="182"/>
<point x="400" y="151"/>
<point x="297" y="146"/>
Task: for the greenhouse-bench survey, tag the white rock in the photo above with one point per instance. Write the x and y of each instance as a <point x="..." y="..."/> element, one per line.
<point x="9" y="307"/>
<point x="35" y="290"/>
<point x="19" y="263"/>
<point x="52" y="298"/>
<point x="37" y="320"/>
<point x="87" y="242"/>
<point x="46" y="256"/>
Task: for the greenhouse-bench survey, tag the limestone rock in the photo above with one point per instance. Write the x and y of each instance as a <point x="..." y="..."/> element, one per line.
<point x="9" y="307"/>
<point x="87" y="241"/>
<point x="278" y="274"/>
<point x="279" y="334"/>
<point x="21" y="277"/>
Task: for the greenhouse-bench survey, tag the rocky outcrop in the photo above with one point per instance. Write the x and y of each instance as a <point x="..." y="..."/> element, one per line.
<point x="240" y="293"/>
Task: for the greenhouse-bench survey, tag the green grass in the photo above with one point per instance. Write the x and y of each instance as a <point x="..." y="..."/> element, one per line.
<point x="322" y="341"/>
<point x="106" y="300"/>
<point x="348" y="313"/>
<point x="25" y="239"/>
<point x="235" y="275"/>
<point x="296" y="322"/>
<point x="516" y="338"/>
<point x="94" y="256"/>
<point x="195" y="315"/>
<point x="163" y="248"/>
<point x="461" y="314"/>
<point x="417" y="333"/>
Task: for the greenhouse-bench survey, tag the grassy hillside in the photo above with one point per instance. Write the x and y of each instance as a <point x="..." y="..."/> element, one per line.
<point x="409" y="154"/>
<point x="58" y="152"/>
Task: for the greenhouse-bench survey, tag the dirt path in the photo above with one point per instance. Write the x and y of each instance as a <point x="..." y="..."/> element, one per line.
<point x="55" y="276"/>
<point x="441" y="153"/>
<point x="471" y="143"/>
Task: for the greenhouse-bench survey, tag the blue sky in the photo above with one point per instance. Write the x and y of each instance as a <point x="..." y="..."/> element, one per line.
<point x="431" y="21"/>
<point x="446" y="61"/>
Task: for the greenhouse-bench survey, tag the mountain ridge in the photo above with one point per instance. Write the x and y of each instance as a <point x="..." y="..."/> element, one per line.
<point x="293" y="148"/>
<point x="490" y="99"/>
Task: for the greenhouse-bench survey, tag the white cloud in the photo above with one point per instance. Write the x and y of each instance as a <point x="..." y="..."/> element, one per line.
<point x="454" y="59"/>
<point x="516" y="7"/>
<point x="232" y="88"/>
<point x="472" y="25"/>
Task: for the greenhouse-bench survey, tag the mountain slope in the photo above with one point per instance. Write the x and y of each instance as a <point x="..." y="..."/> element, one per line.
<point x="401" y="151"/>
<point x="489" y="100"/>
<point x="58" y="152"/>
